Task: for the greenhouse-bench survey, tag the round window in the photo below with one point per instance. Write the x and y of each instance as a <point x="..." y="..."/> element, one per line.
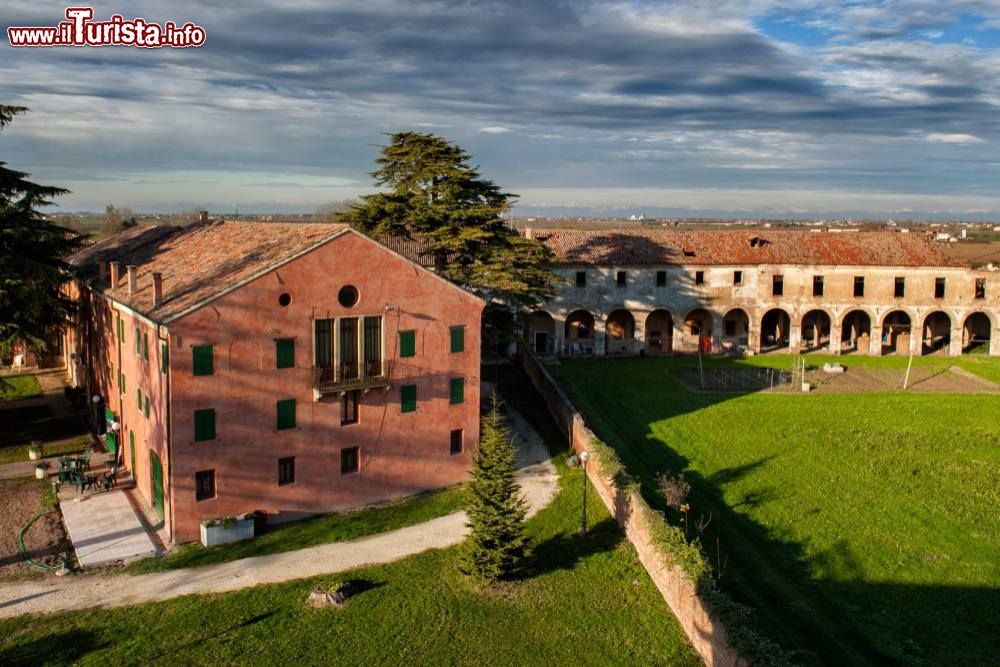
<point x="348" y="296"/>
<point x="284" y="299"/>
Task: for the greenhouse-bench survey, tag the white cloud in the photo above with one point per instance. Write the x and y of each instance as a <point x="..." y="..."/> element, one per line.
<point x="943" y="138"/>
<point x="495" y="129"/>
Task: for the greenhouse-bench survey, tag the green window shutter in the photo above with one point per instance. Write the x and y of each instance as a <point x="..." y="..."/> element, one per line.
<point x="407" y="343"/>
<point x="286" y="414"/>
<point x="121" y="329"/>
<point x="285" y="352"/>
<point x="145" y="346"/>
<point x="138" y="341"/>
<point x="123" y="383"/>
<point x="458" y="339"/>
<point x="202" y="359"/>
<point x="457" y="391"/>
<point x="164" y="358"/>
<point x="204" y="425"/>
<point x="145" y="408"/>
<point x="408" y="398"/>
<point x="138" y="397"/>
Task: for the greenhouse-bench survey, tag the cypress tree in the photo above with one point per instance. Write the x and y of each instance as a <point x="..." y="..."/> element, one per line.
<point x="497" y="545"/>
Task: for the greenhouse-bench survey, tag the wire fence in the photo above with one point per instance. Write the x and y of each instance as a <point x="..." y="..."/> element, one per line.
<point x="733" y="379"/>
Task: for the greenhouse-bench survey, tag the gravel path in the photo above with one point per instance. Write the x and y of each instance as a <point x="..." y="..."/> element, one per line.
<point x="539" y="483"/>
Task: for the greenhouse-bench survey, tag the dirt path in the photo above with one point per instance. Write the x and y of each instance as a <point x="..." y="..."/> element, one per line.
<point x="537" y="477"/>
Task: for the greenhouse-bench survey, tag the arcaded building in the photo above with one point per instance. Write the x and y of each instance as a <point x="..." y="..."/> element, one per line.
<point x="283" y="368"/>
<point x="659" y="291"/>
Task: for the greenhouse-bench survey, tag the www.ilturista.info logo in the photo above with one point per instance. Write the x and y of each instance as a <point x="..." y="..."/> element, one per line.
<point x="80" y="30"/>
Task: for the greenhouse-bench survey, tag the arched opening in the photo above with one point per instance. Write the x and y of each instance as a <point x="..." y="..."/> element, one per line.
<point x="774" y="330"/>
<point x="736" y="331"/>
<point x="620" y="330"/>
<point x="815" y="331"/>
<point x="579" y="333"/>
<point x="976" y="333"/>
<point x="541" y="333"/>
<point x="698" y="331"/>
<point x="855" y="332"/>
<point x="936" y="332"/>
<point x="659" y="332"/>
<point x="896" y="332"/>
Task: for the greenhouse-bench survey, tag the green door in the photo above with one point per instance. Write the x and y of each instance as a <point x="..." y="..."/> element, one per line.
<point x="131" y="451"/>
<point x="156" y="479"/>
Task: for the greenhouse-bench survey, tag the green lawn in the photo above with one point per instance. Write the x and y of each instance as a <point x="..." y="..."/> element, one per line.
<point x="16" y="453"/>
<point x="862" y="528"/>
<point x="582" y="601"/>
<point x="311" y="532"/>
<point x="16" y="387"/>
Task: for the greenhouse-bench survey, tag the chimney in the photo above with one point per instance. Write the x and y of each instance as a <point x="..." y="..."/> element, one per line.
<point x="157" y="289"/>
<point x="102" y="271"/>
<point x="116" y="273"/>
<point x="202" y="216"/>
<point x="132" y="269"/>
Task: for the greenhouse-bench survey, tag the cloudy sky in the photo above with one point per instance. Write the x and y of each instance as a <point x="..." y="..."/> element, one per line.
<point x="711" y="107"/>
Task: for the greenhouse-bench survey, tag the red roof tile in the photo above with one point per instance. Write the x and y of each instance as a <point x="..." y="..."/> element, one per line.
<point x="747" y="247"/>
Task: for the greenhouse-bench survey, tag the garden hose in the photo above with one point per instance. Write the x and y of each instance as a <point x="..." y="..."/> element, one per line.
<point x="24" y="552"/>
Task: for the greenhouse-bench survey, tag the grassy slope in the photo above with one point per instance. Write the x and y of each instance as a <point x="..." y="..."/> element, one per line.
<point x="311" y="532"/>
<point x="862" y="527"/>
<point x="16" y="453"/>
<point x="583" y="602"/>
<point x="16" y="387"/>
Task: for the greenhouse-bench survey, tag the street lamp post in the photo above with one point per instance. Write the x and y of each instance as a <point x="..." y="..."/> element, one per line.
<point x="584" y="457"/>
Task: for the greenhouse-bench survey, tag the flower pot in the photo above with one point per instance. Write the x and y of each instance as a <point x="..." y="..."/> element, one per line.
<point x="213" y="533"/>
<point x="39" y="472"/>
<point x="34" y="454"/>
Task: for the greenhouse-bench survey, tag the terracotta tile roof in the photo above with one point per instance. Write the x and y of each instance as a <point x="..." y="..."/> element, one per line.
<point x="198" y="262"/>
<point x="747" y="247"/>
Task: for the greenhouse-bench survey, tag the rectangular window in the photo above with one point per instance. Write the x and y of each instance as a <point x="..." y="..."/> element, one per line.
<point x="899" y="290"/>
<point x="323" y="339"/>
<point x="939" y="286"/>
<point x="661" y="278"/>
<point x="407" y="343"/>
<point x="204" y="425"/>
<point x="408" y="398"/>
<point x="286" y="471"/>
<point x="284" y="353"/>
<point x="202" y="359"/>
<point x="204" y="485"/>
<point x="145" y="407"/>
<point x="737" y="277"/>
<point x="286" y="414"/>
<point x="699" y="277"/>
<point x="348" y="347"/>
<point x="349" y="407"/>
<point x="121" y="329"/>
<point x="457" y="391"/>
<point x="980" y="288"/>
<point x="777" y="285"/>
<point x="145" y="346"/>
<point x="121" y="382"/>
<point x="621" y="279"/>
<point x="456" y="441"/>
<point x="164" y="358"/>
<point x="373" y="346"/>
<point x="581" y="278"/>
<point x="458" y="339"/>
<point x="138" y="341"/>
<point x="817" y="285"/>
<point x="138" y="397"/>
<point x="859" y="286"/>
<point x="350" y="460"/>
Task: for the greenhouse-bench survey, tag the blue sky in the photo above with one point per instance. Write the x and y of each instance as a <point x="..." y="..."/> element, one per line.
<point x="733" y="108"/>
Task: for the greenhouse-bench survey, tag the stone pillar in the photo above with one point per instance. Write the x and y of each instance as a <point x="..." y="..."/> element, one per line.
<point x="835" y="334"/>
<point x="600" y="335"/>
<point x="794" y="337"/>
<point x="753" y="337"/>
<point x="639" y="334"/>
<point x="875" y="341"/>
<point x="955" y="345"/>
<point x="916" y="341"/>
<point x="718" y="327"/>
<point x="995" y="342"/>
<point x="559" y="336"/>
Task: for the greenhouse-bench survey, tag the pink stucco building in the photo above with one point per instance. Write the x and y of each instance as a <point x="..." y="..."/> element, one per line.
<point x="289" y="368"/>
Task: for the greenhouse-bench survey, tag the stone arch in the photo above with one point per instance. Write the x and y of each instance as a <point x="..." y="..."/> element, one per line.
<point x="659" y="332"/>
<point x="816" y="326"/>
<point x="697" y="332"/>
<point x="735" y="330"/>
<point x="935" y="332"/>
<point x="856" y="331"/>
<point x="896" y="331"/>
<point x="775" y="330"/>
<point x="541" y="332"/>
<point x="619" y="328"/>
<point x="579" y="333"/>
<point x="977" y="332"/>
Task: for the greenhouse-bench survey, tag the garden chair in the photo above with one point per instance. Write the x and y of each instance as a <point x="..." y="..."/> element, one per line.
<point x="110" y="479"/>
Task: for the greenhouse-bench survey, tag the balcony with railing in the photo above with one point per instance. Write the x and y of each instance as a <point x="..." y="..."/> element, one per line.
<point x="349" y="376"/>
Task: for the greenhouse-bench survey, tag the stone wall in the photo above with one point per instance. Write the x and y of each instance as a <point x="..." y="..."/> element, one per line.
<point x="637" y="519"/>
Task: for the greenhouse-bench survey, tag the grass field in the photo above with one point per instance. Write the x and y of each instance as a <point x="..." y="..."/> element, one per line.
<point x="16" y="387"/>
<point x="16" y="453"/>
<point x="311" y="532"/>
<point x="863" y="528"/>
<point x="582" y="601"/>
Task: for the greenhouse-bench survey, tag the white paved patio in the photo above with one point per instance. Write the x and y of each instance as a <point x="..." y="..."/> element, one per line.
<point x="103" y="528"/>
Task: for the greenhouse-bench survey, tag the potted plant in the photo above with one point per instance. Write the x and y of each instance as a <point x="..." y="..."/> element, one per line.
<point x="40" y="470"/>
<point x="226" y="530"/>
<point x="35" y="450"/>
